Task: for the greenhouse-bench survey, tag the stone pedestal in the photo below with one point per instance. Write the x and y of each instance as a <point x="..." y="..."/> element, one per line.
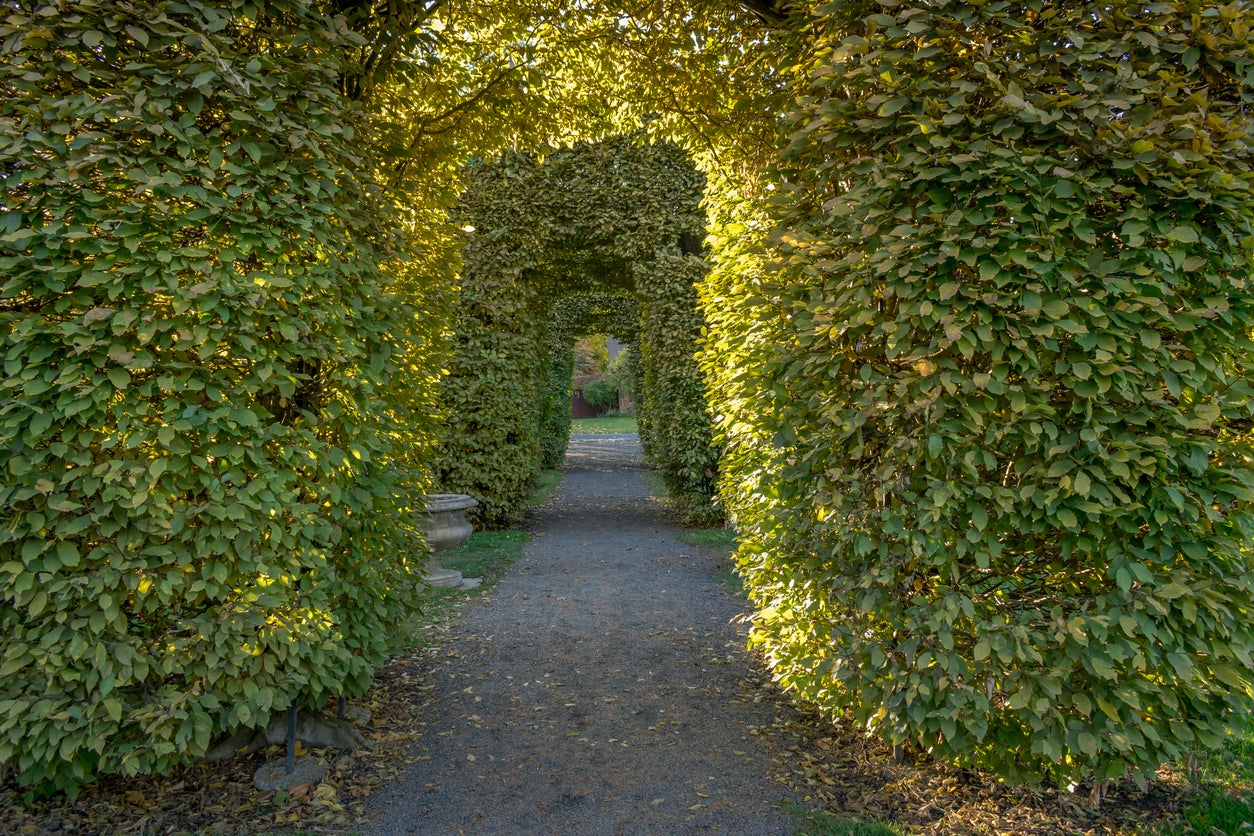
<point x="446" y="526"/>
<point x="440" y="577"/>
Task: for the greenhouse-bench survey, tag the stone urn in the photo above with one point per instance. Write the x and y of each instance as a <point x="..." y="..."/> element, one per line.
<point x="446" y="526"/>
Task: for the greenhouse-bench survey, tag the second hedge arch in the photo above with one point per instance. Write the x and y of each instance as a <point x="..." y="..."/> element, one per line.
<point x="589" y="234"/>
<point x="577" y="315"/>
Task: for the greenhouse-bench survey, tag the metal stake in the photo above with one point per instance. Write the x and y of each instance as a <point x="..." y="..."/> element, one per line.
<point x="341" y="708"/>
<point x="291" y="739"/>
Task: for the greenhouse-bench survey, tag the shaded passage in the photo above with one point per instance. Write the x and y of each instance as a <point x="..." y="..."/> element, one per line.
<point x="599" y="688"/>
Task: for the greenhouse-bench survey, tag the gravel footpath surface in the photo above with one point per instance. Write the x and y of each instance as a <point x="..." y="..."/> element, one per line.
<point x="600" y="687"/>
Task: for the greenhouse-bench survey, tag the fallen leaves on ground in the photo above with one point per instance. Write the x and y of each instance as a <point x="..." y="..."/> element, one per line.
<point x="835" y="767"/>
<point x="219" y="797"/>
<point x="832" y="766"/>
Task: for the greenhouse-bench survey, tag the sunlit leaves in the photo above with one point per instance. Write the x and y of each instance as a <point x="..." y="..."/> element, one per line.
<point x="995" y="451"/>
<point x="199" y="523"/>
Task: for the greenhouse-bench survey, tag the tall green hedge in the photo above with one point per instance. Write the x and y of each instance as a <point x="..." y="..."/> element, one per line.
<point x="616" y="217"/>
<point x="674" y="420"/>
<point x="992" y="460"/>
<point x="493" y="388"/>
<point x="199" y="525"/>
<point x="559" y="371"/>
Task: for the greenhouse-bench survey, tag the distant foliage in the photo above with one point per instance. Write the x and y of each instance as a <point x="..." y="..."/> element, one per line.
<point x="988" y="421"/>
<point x="555" y="414"/>
<point x="199" y="525"/>
<point x="621" y="375"/>
<point x="615" y="217"/>
<point x="592" y="354"/>
<point x="601" y="394"/>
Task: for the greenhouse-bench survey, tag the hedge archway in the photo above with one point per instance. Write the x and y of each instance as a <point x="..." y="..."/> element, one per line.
<point x="577" y="315"/>
<point x="576" y="242"/>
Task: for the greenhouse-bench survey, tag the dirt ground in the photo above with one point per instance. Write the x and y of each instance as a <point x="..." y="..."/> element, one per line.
<point x="600" y="688"/>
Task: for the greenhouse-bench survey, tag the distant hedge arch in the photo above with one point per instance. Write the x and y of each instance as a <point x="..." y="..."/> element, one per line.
<point x="614" y="218"/>
<point x="578" y="315"/>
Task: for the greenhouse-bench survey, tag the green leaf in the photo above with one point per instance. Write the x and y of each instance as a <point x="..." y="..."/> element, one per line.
<point x="1183" y="234"/>
<point x="1103" y="669"/>
<point x="894" y="105"/>
<point x="1055" y="308"/>
<point x="68" y="554"/>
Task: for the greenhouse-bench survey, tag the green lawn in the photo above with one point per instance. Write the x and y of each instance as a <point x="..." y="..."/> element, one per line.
<point x="723" y="541"/>
<point x="605" y="424"/>
<point x="486" y="554"/>
<point x="1225" y="786"/>
<point x="545" y="486"/>
<point x="819" y="823"/>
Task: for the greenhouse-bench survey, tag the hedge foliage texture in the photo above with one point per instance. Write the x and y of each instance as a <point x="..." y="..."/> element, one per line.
<point x="198" y="525"/>
<point x="992" y="456"/>
<point x="619" y="218"/>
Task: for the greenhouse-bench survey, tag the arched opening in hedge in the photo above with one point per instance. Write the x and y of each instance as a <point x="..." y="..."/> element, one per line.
<point x="598" y="238"/>
<point x="580" y="314"/>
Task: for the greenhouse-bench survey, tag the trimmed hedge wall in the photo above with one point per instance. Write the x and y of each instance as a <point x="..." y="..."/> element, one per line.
<point x="672" y="416"/>
<point x="613" y="218"/>
<point x="991" y="456"/>
<point x="493" y="392"/>
<point x="198" y="522"/>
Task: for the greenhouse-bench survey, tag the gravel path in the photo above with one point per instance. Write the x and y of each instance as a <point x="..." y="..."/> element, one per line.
<point x="599" y="689"/>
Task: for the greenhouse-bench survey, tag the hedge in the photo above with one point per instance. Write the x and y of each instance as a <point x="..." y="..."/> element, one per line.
<point x="199" y="525"/>
<point x="576" y="315"/>
<point x="616" y="217"/>
<point x="989" y="449"/>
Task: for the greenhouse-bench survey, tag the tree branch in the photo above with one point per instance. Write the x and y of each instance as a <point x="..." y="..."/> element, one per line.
<point x="770" y="12"/>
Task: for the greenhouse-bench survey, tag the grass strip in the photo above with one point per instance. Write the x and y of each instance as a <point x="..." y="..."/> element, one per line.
<point x="489" y="554"/>
<point x="605" y="424"/>
<point x="1224" y="783"/>
<point x="723" y="541"/>
<point x="820" y="823"/>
